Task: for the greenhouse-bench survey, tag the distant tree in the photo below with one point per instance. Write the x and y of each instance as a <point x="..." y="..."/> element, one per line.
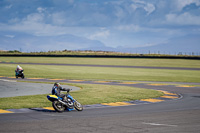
<point x="14" y="51"/>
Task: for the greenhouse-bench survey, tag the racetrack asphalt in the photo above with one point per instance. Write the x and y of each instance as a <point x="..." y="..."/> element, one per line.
<point x="12" y="88"/>
<point x="180" y="115"/>
<point x="176" y="115"/>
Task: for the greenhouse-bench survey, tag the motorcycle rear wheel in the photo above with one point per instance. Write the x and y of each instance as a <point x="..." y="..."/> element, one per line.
<point x="59" y="107"/>
<point x="78" y="106"/>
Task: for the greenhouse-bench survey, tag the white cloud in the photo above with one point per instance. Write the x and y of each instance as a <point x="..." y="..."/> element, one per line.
<point x="126" y="22"/>
<point x="134" y="6"/>
<point x="33" y="27"/>
<point x="71" y="1"/>
<point x="103" y="34"/>
<point x="35" y="17"/>
<point x="182" y="3"/>
<point x="40" y="9"/>
<point x="130" y="28"/>
<point x="119" y="12"/>
<point x="148" y="7"/>
<point x="183" y="19"/>
<point x="8" y="7"/>
<point x="34" y="24"/>
<point x="10" y="36"/>
<point x="139" y="1"/>
<point x="58" y="18"/>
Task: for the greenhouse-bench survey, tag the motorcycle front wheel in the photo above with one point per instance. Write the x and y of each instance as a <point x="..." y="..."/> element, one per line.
<point x="22" y="76"/>
<point x="78" y="106"/>
<point x="59" y="107"/>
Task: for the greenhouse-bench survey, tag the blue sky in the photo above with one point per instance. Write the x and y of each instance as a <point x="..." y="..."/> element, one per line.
<point x="42" y="25"/>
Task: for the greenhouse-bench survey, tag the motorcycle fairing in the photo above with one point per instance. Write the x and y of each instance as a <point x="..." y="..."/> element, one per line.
<point x="69" y="96"/>
<point x="17" y="73"/>
<point x="53" y="97"/>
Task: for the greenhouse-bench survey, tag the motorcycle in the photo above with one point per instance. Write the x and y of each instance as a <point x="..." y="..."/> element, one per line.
<point x="69" y="104"/>
<point x="20" y="73"/>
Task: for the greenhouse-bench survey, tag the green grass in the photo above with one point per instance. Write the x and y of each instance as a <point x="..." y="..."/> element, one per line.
<point x="102" y="73"/>
<point x="107" y="61"/>
<point x="93" y="94"/>
<point x="87" y="95"/>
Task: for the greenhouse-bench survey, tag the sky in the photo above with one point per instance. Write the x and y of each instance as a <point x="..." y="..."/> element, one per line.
<point x="110" y="25"/>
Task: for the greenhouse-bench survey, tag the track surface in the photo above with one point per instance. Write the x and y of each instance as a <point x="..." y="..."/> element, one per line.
<point x="11" y="88"/>
<point x="180" y="116"/>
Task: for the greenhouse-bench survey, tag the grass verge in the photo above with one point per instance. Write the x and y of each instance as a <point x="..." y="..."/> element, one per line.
<point x="102" y="73"/>
<point x="87" y="95"/>
<point x="107" y="61"/>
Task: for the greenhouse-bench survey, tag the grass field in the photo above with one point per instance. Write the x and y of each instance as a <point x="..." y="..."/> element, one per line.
<point x="107" y="61"/>
<point x="102" y="73"/>
<point x="92" y="94"/>
<point x="89" y="94"/>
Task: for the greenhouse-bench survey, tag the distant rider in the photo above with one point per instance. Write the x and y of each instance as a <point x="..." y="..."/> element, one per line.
<point x="19" y="69"/>
<point x="56" y="91"/>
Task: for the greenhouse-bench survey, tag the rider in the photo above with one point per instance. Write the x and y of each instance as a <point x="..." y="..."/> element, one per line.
<point x="19" y="69"/>
<point x="56" y="91"/>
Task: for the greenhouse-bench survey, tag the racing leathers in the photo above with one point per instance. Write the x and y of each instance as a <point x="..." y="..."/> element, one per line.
<point x="56" y="91"/>
<point x="19" y="69"/>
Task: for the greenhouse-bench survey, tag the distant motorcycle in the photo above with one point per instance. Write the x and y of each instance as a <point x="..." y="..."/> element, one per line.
<point x="60" y="106"/>
<point x="19" y="73"/>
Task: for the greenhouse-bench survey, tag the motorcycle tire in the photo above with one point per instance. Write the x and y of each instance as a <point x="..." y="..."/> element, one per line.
<point x="59" y="107"/>
<point x="78" y="106"/>
<point x="22" y="76"/>
<point x="70" y="103"/>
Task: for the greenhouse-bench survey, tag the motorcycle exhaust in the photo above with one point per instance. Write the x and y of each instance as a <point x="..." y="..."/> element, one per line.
<point x="64" y="103"/>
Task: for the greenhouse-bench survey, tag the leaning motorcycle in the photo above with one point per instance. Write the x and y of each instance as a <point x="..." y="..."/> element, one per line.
<point x="69" y="104"/>
<point x="20" y="73"/>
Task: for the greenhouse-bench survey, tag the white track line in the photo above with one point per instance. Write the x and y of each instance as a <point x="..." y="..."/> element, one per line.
<point x="157" y="124"/>
<point x="8" y="80"/>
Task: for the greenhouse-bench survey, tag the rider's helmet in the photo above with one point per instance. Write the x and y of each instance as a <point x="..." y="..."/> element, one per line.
<point x="56" y="84"/>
